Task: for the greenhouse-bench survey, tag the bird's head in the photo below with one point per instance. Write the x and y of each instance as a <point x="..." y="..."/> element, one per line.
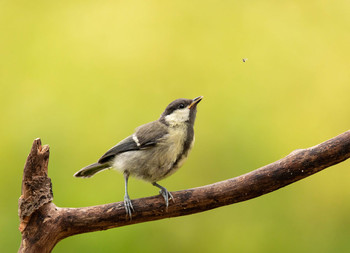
<point x="180" y="111"/>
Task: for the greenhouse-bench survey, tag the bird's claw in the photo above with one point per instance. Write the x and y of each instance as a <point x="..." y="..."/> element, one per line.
<point x="166" y="195"/>
<point x="128" y="206"/>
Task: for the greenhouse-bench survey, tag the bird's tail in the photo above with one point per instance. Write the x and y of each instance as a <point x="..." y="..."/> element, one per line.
<point x="91" y="169"/>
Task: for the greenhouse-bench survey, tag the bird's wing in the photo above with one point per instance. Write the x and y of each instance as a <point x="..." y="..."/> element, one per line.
<point x="150" y="134"/>
<point x="144" y="137"/>
<point x="127" y="144"/>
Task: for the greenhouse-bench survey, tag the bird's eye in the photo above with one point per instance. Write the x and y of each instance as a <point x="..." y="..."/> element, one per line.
<point x="181" y="106"/>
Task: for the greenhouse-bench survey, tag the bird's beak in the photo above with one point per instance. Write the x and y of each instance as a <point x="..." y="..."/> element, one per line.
<point x="195" y="101"/>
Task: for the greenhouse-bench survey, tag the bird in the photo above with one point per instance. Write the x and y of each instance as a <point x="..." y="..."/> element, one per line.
<point x="154" y="151"/>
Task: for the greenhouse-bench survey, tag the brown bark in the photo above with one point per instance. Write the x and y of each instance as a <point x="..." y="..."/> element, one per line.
<point x="43" y="224"/>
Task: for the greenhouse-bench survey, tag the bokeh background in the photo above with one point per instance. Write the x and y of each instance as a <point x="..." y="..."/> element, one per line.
<point x="82" y="75"/>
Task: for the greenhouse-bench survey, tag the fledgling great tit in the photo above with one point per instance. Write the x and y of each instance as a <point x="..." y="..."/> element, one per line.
<point x="155" y="150"/>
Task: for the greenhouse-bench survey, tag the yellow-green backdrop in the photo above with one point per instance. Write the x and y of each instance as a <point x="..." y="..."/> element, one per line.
<point x="82" y="75"/>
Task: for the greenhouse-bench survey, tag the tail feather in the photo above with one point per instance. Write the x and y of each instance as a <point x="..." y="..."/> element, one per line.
<point x="91" y="169"/>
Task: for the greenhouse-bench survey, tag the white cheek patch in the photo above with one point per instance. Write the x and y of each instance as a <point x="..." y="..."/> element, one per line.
<point x="179" y="116"/>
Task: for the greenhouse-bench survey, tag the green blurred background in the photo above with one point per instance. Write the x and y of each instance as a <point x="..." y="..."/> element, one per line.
<point x="82" y="75"/>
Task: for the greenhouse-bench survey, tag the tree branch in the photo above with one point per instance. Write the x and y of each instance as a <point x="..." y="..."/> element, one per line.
<point x="43" y="224"/>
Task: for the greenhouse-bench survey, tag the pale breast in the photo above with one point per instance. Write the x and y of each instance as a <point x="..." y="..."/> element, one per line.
<point x="175" y="140"/>
<point x="184" y="156"/>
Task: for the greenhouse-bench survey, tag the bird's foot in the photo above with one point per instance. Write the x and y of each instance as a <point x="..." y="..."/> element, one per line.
<point x="166" y="195"/>
<point x="128" y="206"/>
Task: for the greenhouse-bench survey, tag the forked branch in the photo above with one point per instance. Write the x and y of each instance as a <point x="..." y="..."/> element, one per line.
<point x="43" y="224"/>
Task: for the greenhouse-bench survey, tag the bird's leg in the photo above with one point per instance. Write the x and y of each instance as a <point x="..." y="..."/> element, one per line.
<point x="165" y="193"/>
<point x="127" y="201"/>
